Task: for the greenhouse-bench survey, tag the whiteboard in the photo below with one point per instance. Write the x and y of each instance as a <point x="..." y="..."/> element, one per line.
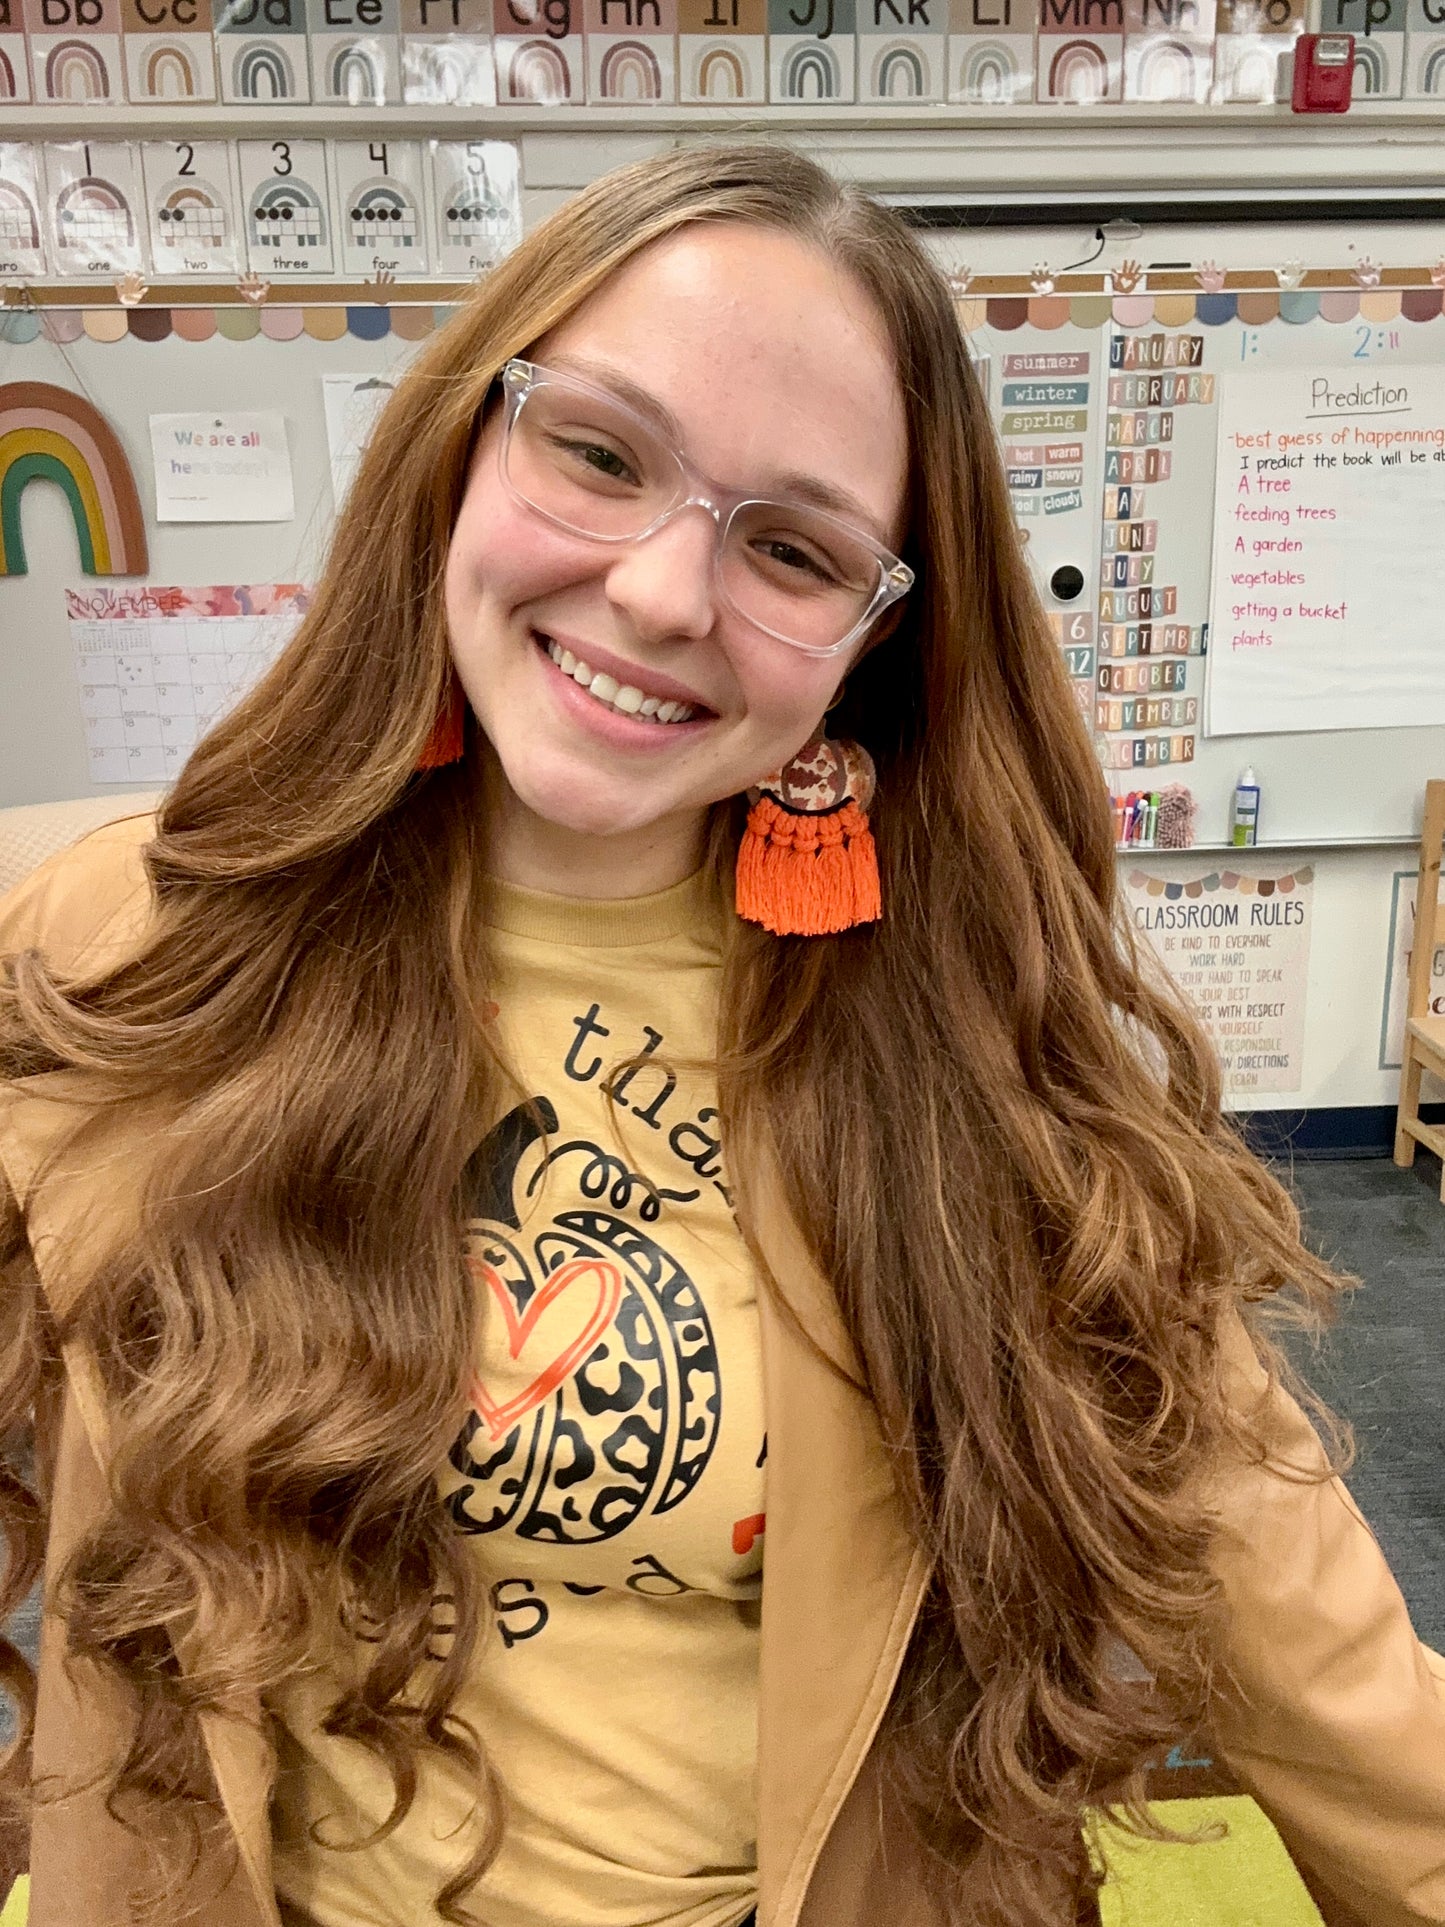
<point x="1325" y="602"/>
<point x="1336" y="785"/>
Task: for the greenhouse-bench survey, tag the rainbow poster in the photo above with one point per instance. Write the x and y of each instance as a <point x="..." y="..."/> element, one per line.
<point x="48" y="434"/>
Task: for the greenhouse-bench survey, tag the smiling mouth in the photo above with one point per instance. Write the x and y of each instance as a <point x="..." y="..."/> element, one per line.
<point x="623" y="698"/>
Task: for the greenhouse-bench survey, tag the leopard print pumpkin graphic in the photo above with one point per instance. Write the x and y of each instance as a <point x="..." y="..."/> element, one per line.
<point x="614" y="1412"/>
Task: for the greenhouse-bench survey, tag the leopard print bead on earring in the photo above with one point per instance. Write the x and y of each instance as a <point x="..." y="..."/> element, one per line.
<point x="807" y="863"/>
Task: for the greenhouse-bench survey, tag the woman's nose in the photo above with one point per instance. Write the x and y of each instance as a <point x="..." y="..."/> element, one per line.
<point x="666" y="585"/>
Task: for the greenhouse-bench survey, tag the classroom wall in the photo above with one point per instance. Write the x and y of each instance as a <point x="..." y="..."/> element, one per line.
<point x="1353" y="887"/>
<point x="42" y="755"/>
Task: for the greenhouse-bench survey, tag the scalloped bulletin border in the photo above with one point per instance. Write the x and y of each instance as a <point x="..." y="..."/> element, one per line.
<point x="1247" y="886"/>
<point x="1001" y="312"/>
<point x="1256" y="309"/>
<point x="368" y="323"/>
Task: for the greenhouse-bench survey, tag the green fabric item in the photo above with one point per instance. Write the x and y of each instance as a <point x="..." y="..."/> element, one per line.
<point x="1244" y="1879"/>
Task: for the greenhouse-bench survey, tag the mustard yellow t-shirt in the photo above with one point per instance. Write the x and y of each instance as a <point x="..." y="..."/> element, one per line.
<point x="610" y="1476"/>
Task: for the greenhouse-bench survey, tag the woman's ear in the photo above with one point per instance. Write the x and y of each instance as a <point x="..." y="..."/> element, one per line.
<point x="880" y="632"/>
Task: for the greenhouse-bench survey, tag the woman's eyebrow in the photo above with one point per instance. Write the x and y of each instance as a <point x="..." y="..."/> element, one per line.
<point x="791" y="486"/>
<point x="625" y="390"/>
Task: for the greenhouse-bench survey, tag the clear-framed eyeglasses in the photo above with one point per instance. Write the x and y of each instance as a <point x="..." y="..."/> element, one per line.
<point x="590" y="464"/>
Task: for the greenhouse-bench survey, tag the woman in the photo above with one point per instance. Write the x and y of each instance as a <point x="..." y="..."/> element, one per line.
<point x="470" y="1222"/>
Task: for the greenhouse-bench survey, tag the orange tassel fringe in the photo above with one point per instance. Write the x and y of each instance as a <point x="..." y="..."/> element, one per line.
<point x="807" y="876"/>
<point x="445" y="743"/>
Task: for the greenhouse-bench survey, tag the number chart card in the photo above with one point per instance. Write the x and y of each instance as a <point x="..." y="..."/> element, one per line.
<point x="288" y="223"/>
<point x="22" y="236"/>
<point x="1329" y="496"/>
<point x="192" y="202"/>
<point x="93" y="197"/>
<point x="476" y="204"/>
<point x="157" y="666"/>
<point x="380" y="198"/>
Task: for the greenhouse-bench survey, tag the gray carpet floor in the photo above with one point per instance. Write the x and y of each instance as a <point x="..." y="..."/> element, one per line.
<point x="1382" y="1365"/>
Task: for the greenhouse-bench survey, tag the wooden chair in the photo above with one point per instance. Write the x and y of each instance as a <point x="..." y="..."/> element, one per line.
<point x="1424" y="1048"/>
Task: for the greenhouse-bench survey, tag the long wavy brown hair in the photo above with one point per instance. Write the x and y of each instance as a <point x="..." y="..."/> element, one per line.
<point x="999" y="1131"/>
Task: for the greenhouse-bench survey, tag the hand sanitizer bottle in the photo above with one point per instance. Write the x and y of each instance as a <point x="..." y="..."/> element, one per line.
<point x="1244" y="819"/>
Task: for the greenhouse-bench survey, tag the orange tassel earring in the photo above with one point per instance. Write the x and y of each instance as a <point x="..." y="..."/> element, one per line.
<point x="445" y="743"/>
<point x="807" y="864"/>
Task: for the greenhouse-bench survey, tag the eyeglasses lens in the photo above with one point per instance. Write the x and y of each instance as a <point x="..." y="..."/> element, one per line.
<point x="598" y="471"/>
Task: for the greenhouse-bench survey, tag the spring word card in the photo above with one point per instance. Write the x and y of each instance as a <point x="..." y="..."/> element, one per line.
<point x="157" y="666"/>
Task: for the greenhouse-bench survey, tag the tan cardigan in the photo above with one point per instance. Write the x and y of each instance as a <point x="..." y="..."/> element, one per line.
<point x="1335" y="1719"/>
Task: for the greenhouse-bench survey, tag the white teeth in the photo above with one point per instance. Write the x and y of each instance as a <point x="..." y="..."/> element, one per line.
<point x="624" y="697"/>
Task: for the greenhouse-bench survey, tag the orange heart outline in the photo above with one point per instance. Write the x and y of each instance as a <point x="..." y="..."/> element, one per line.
<point x="499" y="1419"/>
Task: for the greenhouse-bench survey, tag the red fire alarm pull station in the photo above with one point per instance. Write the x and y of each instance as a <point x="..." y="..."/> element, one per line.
<point x="1324" y="71"/>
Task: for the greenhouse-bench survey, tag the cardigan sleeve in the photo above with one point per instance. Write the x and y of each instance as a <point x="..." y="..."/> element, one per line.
<point x="1328" y="1707"/>
<point x="85" y="906"/>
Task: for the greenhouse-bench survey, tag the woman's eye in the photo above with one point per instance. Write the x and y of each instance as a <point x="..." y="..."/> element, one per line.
<point x="790" y="556"/>
<point x="598" y="457"/>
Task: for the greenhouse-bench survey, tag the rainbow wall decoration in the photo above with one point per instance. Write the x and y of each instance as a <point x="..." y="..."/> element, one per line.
<point x="48" y="434"/>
